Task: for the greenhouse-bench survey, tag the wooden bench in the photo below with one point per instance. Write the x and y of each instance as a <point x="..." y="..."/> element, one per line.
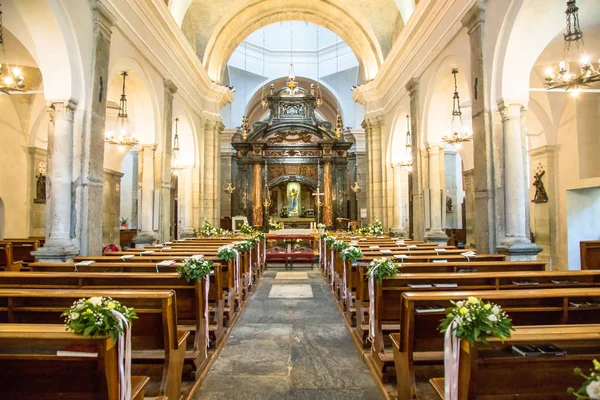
<point x="191" y="304"/>
<point x="22" y="248"/>
<point x="388" y="296"/>
<point x="32" y="369"/>
<point x="421" y="341"/>
<point x="493" y="371"/>
<point x="155" y="337"/>
<point x="7" y="259"/>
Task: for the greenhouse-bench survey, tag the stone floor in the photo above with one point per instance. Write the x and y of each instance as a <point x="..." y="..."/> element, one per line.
<point x="289" y="348"/>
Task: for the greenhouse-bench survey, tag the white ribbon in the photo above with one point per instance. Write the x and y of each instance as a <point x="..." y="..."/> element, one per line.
<point x="372" y="306"/>
<point x="236" y="272"/>
<point x="250" y="262"/>
<point x="124" y="345"/>
<point x="451" y="358"/>
<point x="331" y="267"/>
<point x="344" y="281"/>
<point x="206" y="324"/>
<point x="324" y="256"/>
<point x="265" y="252"/>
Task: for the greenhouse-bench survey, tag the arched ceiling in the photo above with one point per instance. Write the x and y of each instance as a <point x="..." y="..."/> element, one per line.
<point x="367" y="26"/>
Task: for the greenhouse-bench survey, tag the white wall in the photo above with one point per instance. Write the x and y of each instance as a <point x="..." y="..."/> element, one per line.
<point x="583" y="220"/>
<point x="127" y="189"/>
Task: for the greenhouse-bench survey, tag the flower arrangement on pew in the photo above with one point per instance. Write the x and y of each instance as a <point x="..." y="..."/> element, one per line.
<point x="194" y="268"/>
<point x="275" y="226"/>
<point x="590" y="389"/>
<point x="247" y="229"/>
<point x="339" y="246"/>
<point x="96" y="316"/>
<point x="227" y="252"/>
<point x="474" y="320"/>
<point x="245" y="245"/>
<point x="351" y="254"/>
<point x="382" y="268"/>
<point x="374" y="230"/>
<point x="208" y="230"/>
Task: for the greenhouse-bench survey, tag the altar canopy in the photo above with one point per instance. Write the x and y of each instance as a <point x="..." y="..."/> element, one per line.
<point x="289" y="155"/>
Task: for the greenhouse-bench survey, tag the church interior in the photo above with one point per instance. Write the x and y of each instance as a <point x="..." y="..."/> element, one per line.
<point x="277" y="199"/>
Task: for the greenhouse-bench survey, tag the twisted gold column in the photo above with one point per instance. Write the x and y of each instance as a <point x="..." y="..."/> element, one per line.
<point x="257" y="208"/>
<point x="328" y="201"/>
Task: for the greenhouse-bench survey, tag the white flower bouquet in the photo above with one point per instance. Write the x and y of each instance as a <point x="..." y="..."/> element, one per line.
<point x="351" y="253"/>
<point x="94" y="316"/>
<point x="590" y="389"/>
<point x="194" y="268"/>
<point x="227" y="252"/>
<point x="382" y="268"/>
<point x="475" y="320"/>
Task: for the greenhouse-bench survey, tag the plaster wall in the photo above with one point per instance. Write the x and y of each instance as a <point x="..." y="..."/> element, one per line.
<point x="583" y="220"/>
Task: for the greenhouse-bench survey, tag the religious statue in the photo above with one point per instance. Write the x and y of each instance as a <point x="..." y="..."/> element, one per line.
<point x="449" y="205"/>
<point x="294" y="207"/>
<point x="40" y="188"/>
<point x="540" y="192"/>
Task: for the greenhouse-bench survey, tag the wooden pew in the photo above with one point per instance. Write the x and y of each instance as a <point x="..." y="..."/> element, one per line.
<point x="493" y="371"/>
<point x="388" y="295"/>
<point x="191" y="304"/>
<point x="22" y="248"/>
<point x="32" y="370"/>
<point x="155" y="337"/>
<point x="420" y="339"/>
<point x="7" y="260"/>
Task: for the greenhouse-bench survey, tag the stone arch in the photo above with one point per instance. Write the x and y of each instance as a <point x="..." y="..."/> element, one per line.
<point x="351" y="27"/>
<point x="397" y="137"/>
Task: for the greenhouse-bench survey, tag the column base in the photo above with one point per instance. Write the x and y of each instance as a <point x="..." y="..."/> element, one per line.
<point x="56" y="253"/>
<point x="399" y="231"/>
<point x="145" y="239"/>
<point x="187" y="234"/>
<point x="518" y="249"/>
<point x="438" y="237"/>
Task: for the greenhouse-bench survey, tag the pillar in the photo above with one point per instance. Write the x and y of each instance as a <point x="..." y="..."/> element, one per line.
<point x="186" y="189"/>
<point x="400" y="199"/>
<point x="257" y="207"/>
<point x="436" y="233"/>
<point x="418" y="217"/>
<point x="209" y="171"/>
<point x="470" y="222"/>
<point x="217" y="168"/>
<point x="146" y="233"/>
<point x="328" y="197"/>
<point x="196" y="197"/>
<point x="373" y="127"/>
<point x="516" y="243"/>
<point x="487" y="209"/>
<point x="164" y="176"/>
<point x="59" y="245"/>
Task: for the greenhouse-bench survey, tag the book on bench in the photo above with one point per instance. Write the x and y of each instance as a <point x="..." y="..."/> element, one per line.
<point x="439" y="261"/>
<point x="445" y="285"/>
<point x="385" y="251"/>
<point x="542" y="350"/>
<point x="85" y="263"/>
<point x="400" y="256"/>
<point x="400" y="243"/>
<point x="146" y="253"/>
<point x="419" y="285"/>
<point x="374" y="248"/>
<point x="581" y="304"/>
<point x="166" y="248"/>
<point x="127" y="257"/>
<point x="525" y="283"/>
<point x="165" y="263"/>
<point x="431" y="309"/>
<point x="411" y="246"/>
<point x="567" y="282"/>
<point x="465" y="270"/>
<point x="77" y="350"/>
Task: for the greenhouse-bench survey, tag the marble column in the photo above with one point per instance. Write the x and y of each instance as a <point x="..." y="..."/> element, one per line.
<point x="185" y="187"/>
<point x="373" y="127"/>
<point x="328" y="197"/>
<point x="59" y="245"/>
<point x="257" y="207"/>
<point x="486" y="156"/>
<point x="89" y="144"/>
<point x="516" y="243"/>
<point x="469" y="207"/>
<point x="369" y="164"/>
<point x="400" y="189"/>
<point x="196" y="197"/>
<point x="146" y="234"/>
<point x="418" y="218"/>
<point x="165" y="172"/>
<point x="436" y="233"/>
<point x="217" y="168"/>
<point x="209" y="171"/>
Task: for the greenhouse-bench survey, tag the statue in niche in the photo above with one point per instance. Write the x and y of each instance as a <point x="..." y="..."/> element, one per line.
<point x="40" y="188"/>
<point x="449" y="205"/>
<point x="540" y="192"/>
<point x="294" y="197"/>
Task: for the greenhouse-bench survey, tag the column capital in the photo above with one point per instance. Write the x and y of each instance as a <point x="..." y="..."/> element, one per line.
<point x="103" y="18"/>
<point x="510" y="109"/>
<point x="412" y="87"/>
<point x="435" y="147"/>
<point x="62" y="109"/>
<point x="375" y="122"/>
<point x="170" y="88"/>
<point x="210" y="123"/>
<point x="475" y="16"/>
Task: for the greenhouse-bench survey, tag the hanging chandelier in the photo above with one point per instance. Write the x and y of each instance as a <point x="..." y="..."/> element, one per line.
<point x="229" y="189"/>
<point x="459" y="133"/>
<point x="319" y="95"/>
<point x="245" y="128"/>
<point x="126" y="137"/>
<point x="11" y="77"/>
<point x="291" y="81"/>
<point x="263" y="99"/>
<point x="177" y="164"/>
<point x="339" y="127"/>
<point x="407" y="161"/>
<point x="245" y="123"/>
<point x="565" y="79"/>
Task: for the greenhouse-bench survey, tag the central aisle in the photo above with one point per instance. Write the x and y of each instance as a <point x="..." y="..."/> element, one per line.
<point x="289" y="343"/>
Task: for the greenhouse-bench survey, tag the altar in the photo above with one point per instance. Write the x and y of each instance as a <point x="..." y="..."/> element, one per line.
<point x="295" y="222"/>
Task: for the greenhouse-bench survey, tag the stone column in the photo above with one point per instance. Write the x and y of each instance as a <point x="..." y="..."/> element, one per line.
<point x="165" y="172"/>
<point x="209" y="171"/>
<point x="226" y="171"/>
<point x="328" y="197"/>
<point x="418" y="228"/>
<point x="470" y="207"/>
<point x="196" y="197"/>
<point x="436" y="233"/>
<point x="400" y="196"/>
<point x="89" y="145"/>
<point x="516" y="243"/>
<point x="111" y="212"/>
<point x="217" y="168"/>
<point x="257" y="207"/>
<point x="59" y="245"/>
<point x="185" y="187"/>
<point x="146" y="234"/>
<point x="373" y="127"/>
<point x="485" y="229"/>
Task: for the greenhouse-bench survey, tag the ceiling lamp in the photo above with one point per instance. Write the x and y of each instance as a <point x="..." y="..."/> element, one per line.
<point x="11" y="78"/>
<point x="245" y="128"/>
<point x="564" y="79"/>
<point x="459" y="134"/>
<point x="339" y="127"/>
<point x="126" y="136"/>
<point x="407" y="162"/>
<point x="319" y="95"/>
<point x="229" y="189"/>
<point x="263" y="99"/>
<point x="245" y="124"/>
<point x="291" y="82"/>
<point x="177" y="164"/>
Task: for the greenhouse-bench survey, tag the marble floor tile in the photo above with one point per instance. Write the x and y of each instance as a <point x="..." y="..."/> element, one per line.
<point x="291" y="292"/>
